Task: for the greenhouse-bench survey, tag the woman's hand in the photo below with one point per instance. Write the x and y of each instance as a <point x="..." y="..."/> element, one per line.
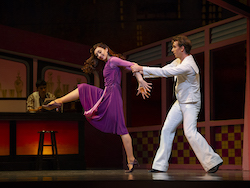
<point x="144" y="88"/>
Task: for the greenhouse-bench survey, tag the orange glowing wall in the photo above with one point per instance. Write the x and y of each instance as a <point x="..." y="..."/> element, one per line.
<point x="27" y="136"/>
<point x="4" y="138"/>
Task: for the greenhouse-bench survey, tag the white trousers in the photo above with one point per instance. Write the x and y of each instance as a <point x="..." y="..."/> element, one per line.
<point x="186" y="113"/>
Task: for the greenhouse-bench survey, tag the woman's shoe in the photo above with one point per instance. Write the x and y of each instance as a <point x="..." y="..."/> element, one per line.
<point x="135" y="163"/>
<point x="52" y="106"/>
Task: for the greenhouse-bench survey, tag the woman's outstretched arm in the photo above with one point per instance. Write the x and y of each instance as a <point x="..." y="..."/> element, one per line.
<point x="143" y="87"/>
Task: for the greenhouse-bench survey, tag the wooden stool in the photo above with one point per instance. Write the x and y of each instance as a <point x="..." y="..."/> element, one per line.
<point x="53" y="146"/>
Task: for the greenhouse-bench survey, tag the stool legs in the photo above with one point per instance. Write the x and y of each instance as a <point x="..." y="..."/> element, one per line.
<point x="40" y="151"/>
<point x="54" y="149"/>
<point x="53" y="146"/>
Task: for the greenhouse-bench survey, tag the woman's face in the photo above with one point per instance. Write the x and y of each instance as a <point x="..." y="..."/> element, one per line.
<point x="101" y="53"/>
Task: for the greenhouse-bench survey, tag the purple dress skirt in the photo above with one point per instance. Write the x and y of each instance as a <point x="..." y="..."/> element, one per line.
<point x="108" y="117"/>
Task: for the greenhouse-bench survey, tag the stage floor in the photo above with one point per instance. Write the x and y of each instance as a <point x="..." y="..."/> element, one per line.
<point x="114" y="178"/>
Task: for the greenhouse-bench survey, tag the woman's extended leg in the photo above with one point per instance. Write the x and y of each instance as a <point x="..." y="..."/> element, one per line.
<point x="72" y="96"/>
<point x="127" y="142"/>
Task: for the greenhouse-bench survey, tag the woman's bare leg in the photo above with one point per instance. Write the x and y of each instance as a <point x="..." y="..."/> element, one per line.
<point x="72" y="96"/>
<point x="57" y="103"/>
<point x="127" y="142"/>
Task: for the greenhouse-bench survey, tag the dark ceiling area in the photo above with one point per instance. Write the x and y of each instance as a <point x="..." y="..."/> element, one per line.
<point x="123" y="25"/>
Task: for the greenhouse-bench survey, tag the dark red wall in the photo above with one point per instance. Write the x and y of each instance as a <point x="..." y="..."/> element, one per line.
<point x="43" y="46"/>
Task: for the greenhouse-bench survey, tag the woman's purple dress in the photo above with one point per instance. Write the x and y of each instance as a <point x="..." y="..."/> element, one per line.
<point x="109" y="117"/>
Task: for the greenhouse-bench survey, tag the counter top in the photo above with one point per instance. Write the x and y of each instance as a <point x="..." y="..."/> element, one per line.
<point x="50" y="116"/>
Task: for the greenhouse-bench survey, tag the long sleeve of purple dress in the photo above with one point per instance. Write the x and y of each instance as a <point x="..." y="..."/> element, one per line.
<point x="109" y="116"/>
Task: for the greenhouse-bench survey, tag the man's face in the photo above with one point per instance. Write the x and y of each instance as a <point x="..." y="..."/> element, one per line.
<point x="177" y="50"/>
<point x="42" y="91"/>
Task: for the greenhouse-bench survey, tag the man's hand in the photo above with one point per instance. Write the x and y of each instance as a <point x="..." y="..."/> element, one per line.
<point x="39" y="109"/>
<point x="137" y="68"/>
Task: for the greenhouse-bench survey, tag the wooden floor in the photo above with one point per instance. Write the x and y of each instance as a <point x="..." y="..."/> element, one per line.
<point x="119" y="179"/>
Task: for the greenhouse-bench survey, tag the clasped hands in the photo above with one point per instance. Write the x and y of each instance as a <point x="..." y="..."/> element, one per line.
<point x="137" y="68"/>
<point x="144" y="88"/>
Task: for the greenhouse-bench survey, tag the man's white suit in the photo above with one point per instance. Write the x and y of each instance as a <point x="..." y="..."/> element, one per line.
<point x="185" y="109"/>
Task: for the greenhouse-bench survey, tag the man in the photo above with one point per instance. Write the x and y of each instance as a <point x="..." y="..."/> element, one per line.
<point x="39" y="97"/>
<point x="185" y="109"/>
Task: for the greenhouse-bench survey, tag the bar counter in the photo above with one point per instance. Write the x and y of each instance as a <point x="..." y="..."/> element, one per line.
<point x="19" y="139"/>
<point x="42" y="116"/>
<point x="80" y="145"/>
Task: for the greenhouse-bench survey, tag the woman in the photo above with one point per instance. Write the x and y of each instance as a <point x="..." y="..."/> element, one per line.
<point x="104" y="108"/>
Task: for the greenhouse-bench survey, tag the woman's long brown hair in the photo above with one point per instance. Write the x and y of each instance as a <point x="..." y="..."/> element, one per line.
<point x="91" y="63"/>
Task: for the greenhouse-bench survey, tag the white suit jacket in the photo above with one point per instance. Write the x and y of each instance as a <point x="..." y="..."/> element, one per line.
<point x="187" y="87"/>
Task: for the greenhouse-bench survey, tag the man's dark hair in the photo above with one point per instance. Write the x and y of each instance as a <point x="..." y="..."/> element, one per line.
<point x="40" y="83"/>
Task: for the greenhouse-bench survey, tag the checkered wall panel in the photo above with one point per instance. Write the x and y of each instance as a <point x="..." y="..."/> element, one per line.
<point x="228" y="144"/>
<point x="182" y="153"/>
<point x="145" y="145"/>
